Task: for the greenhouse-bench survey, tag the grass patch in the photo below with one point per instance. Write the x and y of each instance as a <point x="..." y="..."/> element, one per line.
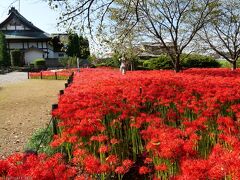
<point x="40" y="141"/>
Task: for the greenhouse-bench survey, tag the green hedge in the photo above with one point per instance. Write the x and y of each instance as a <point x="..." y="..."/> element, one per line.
<point x="110" y="62"/>
<point x="39" y="63"/>
<point x="161" y="62"/>
<point x="199" y="61"/>
<point x="226" y="64"/>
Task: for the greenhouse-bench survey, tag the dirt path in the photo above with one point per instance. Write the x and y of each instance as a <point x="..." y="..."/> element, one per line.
<point x="24" y="107"/>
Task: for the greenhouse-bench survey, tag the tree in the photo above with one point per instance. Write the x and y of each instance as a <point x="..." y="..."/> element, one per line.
<point x="73" y="48"/>
<point x="84" y="47"/>
<point x="174" y="21"/>
<point x="77" y="46"/>
<point x="223" y="33"/>
<point x="4" y="55"/>
<point x="56" y="43"/>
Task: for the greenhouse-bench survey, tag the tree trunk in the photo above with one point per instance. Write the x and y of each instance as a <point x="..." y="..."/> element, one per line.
<point x="234" y="65"/>
<point x="177" y="65"/>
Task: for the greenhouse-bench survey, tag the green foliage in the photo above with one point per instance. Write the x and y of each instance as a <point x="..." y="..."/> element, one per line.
<point x="16" y="58"/>
<point x="92" y="59"/>
<point x="43" y="136"/>
<point x="226" y="64"/>
<point x="73" y="45"/>
<point x="77" y="46"/>
<point x="69" y="61"/>
<point x="110" y="62"/>
<point x="161" y="62"/>
<point x="84" y="48"/>
<point x="56" y="43"/>
<point x="4" y="55"/>
<point x="39" y="63"/>
<point x="199" y="61"/>
<point x="132" y="59"/>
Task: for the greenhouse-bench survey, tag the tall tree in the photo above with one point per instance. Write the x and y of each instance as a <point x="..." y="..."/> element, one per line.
<point x="84" y="47"/>
<point x="77" y="46"/>
<point x="4" y="55"/>
<point x="174" y="21"/>
<point x="73" y="48"/>
<point x="223" y="33"/>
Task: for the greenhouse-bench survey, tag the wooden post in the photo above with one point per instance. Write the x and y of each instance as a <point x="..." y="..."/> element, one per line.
<point x="41" y="74"/>
<point x="61" y="92"/>
<point x="69" y="81"/>
<point x="54" y="120"/>
<point x="56" y="75"/>
<point x="66" y="85"/>
<point x="28" y="75"/>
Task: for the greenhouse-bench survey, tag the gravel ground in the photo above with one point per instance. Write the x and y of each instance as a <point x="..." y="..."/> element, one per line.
<point x="12" y="77"/>
<point x="25" y="106"/>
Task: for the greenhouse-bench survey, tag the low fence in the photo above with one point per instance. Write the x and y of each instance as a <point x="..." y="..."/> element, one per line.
<point x="58" y="75"/>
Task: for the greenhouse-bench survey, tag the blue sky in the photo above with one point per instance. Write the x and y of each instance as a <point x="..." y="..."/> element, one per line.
<point x="36" y="11"/>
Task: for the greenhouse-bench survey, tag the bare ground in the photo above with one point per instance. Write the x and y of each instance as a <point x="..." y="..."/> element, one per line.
<point x="24" y="107"/>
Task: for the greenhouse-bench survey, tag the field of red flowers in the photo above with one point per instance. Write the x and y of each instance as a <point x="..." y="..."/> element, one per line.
<point x="142" y="125"/>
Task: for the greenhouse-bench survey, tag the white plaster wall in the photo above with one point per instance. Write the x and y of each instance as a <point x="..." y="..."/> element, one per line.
<point x="32" y="54"/>
<point x="32" y="44"/>
<point x="44" y="44"/>
<point x="52" y="54"/>
<point x="15" y="45"/>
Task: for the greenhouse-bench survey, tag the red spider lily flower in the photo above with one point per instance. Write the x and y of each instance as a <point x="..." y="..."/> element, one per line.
<point x="103" y="149"/>
<point x="127" y="163"/>
<point x="120" y="170"/>
<point x="114" y="141"/>
<point x="99" y="138"/>
<point x="144" y="170"/>
<point x="148" y="160"/>
<point x="91" y="164"/>
<point x="161" y="167"/>
<point x="112" y="159"/>
<point x="104" y="168"/>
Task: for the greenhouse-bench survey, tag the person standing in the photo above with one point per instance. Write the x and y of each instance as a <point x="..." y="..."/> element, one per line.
<point x="123" y="65"/>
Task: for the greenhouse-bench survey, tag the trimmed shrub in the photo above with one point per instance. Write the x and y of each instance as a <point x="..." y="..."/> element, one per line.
<point x="199" y="61"/>
<point x="39" y="63"/>
<point x="16" y="58"/>
<point x="161" y="62"/>
<point x="225" y="64"/>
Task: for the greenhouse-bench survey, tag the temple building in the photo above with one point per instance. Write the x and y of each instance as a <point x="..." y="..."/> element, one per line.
<point x="23" y="35"/>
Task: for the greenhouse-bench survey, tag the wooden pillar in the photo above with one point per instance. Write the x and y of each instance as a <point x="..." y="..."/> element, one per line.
<point x="66" y="85"/>
<point x="54" y="120"/>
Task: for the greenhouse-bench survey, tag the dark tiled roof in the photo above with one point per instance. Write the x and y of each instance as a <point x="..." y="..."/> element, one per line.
<point x="25" y="35"/>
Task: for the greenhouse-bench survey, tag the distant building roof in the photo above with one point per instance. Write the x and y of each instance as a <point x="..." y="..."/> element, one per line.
<point x="32" y="32"/>
<point x="25" y="35"/>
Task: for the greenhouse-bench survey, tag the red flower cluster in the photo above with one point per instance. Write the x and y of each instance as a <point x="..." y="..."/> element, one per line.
<point x="19" y="166"/>
<point x="156" y="123"/>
